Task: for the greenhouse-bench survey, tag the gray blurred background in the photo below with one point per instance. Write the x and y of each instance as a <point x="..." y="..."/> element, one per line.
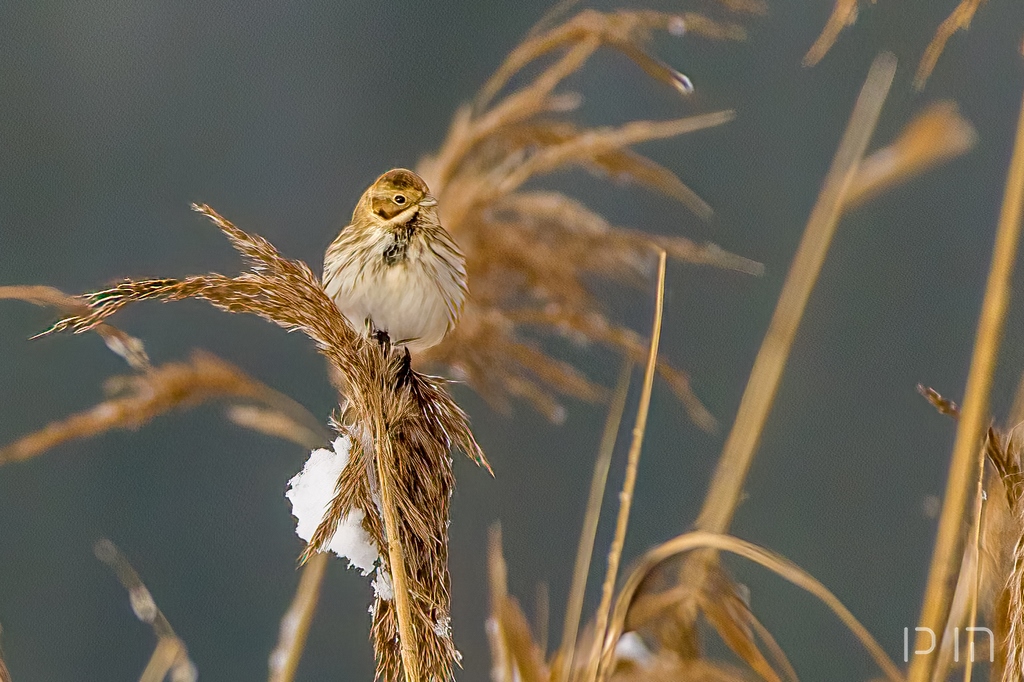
<point x="115" y="115"/>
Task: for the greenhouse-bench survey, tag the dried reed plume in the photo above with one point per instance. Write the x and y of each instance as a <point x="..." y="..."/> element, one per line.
<point x="959" y="19"/>
<point x="647" y="607"/>
<point x="402" y="434"/>
<point x="128" y="347"/>
<point x="170" y="657"/>
<point x="669" y="616"/>
<point x="139" y="398"/>
<point x="844" y="14"/>
<point x="155" y="390"/>
<point x="663" y="599"/>
<point x="531" y="253"/>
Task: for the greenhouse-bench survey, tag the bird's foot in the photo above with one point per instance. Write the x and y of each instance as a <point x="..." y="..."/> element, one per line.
<point x="405" y="370"/>
<point x="378" y="335"/>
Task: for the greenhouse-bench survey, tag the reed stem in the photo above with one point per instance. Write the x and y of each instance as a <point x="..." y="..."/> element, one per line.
<point x="284" y="660"/>
<point x="974" y="415"/>
<point x="396" y="557"/>
<point x="632" y="465"/>
<point x="585" y="550"/>
<point x="738" y="452"/>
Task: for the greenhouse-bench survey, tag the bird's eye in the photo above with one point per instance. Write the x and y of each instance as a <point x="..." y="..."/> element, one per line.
<point x="399" y="199"/>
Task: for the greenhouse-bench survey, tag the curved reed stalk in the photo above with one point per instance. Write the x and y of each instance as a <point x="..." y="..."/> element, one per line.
<point x="777" y="564"/>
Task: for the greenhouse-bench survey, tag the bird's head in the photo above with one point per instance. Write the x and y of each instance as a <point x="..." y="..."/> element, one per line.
<point x="399" y="195"/>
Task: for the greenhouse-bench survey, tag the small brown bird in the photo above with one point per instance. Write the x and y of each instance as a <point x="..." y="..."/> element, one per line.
<point x="394" y="268"/>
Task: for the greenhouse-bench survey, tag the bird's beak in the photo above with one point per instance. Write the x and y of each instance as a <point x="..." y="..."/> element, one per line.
<point x="428" y="200"/>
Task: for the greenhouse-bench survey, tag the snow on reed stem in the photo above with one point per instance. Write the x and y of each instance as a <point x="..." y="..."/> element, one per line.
<point x="738" y="452"/>
<point x="295" y="623"/>
<point x="974" y="414"/>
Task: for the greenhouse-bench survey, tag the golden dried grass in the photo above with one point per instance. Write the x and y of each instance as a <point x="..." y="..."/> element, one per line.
<point x="845" y="12"/>
<point x="632" y="466"/>
<point x="563" y="663"/>
<point x="698" y="540"/>
<point x="995" y="580"/>
<point x="137" y="399"/>
<point x="491" y="152"/>
<point x="664" y="612"/>
<point x="402" y="434"/>
<point x="959" y="19"/>
<point x="651" y="614"/>
<point x="948" y="552"/>
<point x="296" y="621"/>
<point x="937" y="134"/>
<point x="668" y="616"/>
<point x="517" y="655"/>
<point x="989" y="581"/>
<point x="1005" y="536"/>
<point x="156" y="390"/>
<point x="532" y="255"/>
<point x="128" y="347"/>
<point x="990" y="571"/>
